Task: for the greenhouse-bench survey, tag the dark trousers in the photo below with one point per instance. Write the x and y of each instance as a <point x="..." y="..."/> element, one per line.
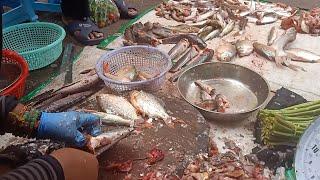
<point x="75" y="9"/>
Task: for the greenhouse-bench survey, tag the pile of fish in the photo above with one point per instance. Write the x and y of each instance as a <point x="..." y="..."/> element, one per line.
<point x="61" y="99"/>
<point x="278" y="51"/>
<point x="146" y="34"/>
<point x="189" y="50"/>
<point x="175" y="11"/>
<point x="209" y="99"/>
<point x="307" y="22"/>
<point x="126" y="73"/>
<point x="119" y="110"/>
<point x="219" y="18"/>
<point x="228" y="165"/>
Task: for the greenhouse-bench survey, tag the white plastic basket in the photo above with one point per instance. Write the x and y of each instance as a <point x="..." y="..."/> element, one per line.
<point x="144" y="58"/>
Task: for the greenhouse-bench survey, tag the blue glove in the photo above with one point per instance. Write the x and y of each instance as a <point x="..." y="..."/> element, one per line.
<point x="65" y="126"/>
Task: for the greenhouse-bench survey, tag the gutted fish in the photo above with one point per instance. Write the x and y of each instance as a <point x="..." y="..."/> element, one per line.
<point x="194" y="51"/>
<point x="205" y="87"/>
<point x="105" y="140"/>
<point x="179" y="48"/>
<point x="148" y="105"/>
<point x="117" y="105"/>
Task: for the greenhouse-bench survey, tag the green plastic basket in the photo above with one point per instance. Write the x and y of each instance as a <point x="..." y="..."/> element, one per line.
<point x="40" y="43"/>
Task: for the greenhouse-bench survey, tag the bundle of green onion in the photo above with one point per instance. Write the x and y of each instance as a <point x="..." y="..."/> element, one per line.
<point x="285" y="126"/>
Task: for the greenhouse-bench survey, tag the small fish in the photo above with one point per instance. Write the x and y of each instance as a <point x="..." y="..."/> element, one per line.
<point x="273" y="34"/>
<point x="229" y="27"/>
<point x="128" y="72"/>
<point x="212" y="35"/>
<point x="199" y="24"/>
<point x="67" y="102"/>
<point x="193" y="39"/>
<point x="184" y="59"/>
<point x="184" y="28"/>
<point x="148" y="105"/>
<point x="268" y="19"/>
<point x="264" y="51"/>
<point x="162" y="32"/>
<point x="204" y="31"/>
<point x="302" y="55"/>
<point x="105" y="140"/>
<point x="117" y="105"/>
<point x="205" y="16"/>
<point x="244" y="47"/>
<point x="111" y="119"/>
<point x="179" y="48"/>
<point x="144" y="75"/>
<point x="207" y="88"/>
<point x="221" y="20"/>
<point x="226" y="52"/>
<point x="205" y="56"/>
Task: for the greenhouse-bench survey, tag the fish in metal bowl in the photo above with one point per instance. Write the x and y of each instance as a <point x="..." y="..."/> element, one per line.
<point x="223" y="91"/>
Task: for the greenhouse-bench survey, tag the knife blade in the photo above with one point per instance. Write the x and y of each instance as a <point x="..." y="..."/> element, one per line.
<point x="69" y="67"/>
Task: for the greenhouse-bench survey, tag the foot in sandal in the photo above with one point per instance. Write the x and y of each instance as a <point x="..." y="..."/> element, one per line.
<point x="86" y="32"/>
<point x="126" y="11"/>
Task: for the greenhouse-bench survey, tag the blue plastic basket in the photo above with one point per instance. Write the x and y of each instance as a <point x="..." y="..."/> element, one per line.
<point x="39" y="43"/>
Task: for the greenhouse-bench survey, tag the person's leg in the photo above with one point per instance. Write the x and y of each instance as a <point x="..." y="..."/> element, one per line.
<point x="75" y="9"/>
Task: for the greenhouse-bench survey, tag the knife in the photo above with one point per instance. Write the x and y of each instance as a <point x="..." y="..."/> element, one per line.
<point x="69" y="67"/>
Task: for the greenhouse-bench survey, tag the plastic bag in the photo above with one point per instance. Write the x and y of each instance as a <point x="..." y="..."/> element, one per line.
<point x="104" y="12"/>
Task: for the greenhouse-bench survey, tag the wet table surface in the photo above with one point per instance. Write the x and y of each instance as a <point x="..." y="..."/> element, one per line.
<point x="178" y="144"/>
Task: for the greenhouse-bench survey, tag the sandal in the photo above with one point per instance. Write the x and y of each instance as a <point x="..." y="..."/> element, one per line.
<point x="87" y="32"/>
<point x="126" y="11"/>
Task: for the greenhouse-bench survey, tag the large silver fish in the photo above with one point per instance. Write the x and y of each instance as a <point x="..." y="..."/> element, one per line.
<point x="148" y="105"/>
<point x="244" y="47"/>
<point x="302" y="55"/>
<point x="113" y="104"/>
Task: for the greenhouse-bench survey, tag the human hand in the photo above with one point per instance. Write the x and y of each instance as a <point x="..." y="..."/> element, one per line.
<point x="77" y="164"/>
<point x="66" y="126"/>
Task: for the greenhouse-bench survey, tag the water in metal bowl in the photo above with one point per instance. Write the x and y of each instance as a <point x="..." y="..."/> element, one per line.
<point x="245" y="89"/>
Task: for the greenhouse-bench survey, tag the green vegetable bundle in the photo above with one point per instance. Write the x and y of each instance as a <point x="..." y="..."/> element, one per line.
<point x="285" y="126"/>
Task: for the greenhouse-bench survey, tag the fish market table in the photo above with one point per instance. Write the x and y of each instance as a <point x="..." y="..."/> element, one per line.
<point x="178" y="144"/>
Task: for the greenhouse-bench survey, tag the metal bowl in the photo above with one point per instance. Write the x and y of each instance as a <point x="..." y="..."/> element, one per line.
<point x="245" y="89"/>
